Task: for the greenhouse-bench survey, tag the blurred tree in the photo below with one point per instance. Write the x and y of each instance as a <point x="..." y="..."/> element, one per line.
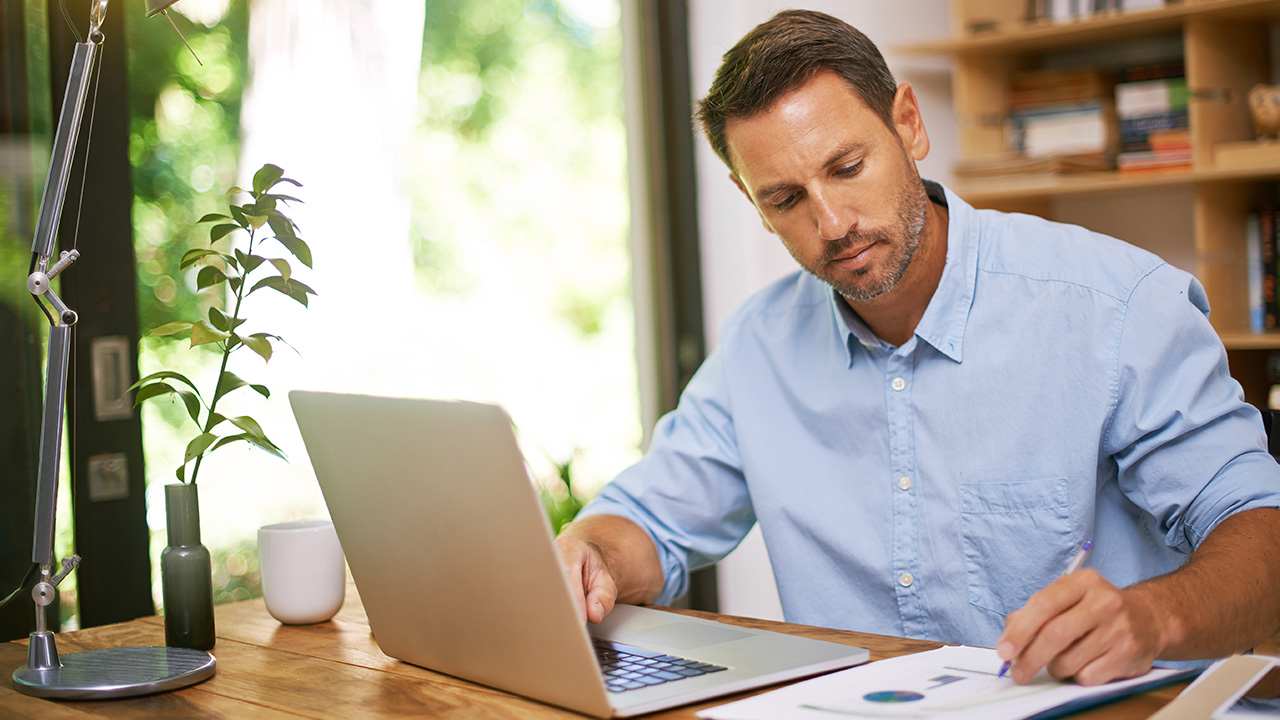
<point x="184" y="141"/>
<point x="522" y="123"/>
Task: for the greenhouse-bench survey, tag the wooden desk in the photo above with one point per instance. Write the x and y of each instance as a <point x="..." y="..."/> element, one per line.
<point x="335" y="670"/>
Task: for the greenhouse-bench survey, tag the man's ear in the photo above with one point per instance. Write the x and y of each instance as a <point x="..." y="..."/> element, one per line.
<point x="743" y="189"/>
<point x="908" y="122"/>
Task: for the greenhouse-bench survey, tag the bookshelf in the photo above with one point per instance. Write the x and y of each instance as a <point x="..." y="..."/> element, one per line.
<point x="1225" y="47"/>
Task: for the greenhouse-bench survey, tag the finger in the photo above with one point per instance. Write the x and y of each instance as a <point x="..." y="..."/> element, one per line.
<point x="1074" y="637"/>
<point x="1111" y="665"/>
<point x="1027" y="622"/>
<point x="572" y="558"/>
<point x="602" y="592"/>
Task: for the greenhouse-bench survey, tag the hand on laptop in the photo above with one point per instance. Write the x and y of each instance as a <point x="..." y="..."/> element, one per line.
<point x="608" y="559"/>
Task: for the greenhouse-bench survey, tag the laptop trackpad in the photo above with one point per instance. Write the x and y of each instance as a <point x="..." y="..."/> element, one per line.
<point x="683" y="635"/>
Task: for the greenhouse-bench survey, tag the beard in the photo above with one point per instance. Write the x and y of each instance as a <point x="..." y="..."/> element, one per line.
<point x="877" y="279"/>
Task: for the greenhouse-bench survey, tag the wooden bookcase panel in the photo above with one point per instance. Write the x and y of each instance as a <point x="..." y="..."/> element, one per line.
<point x="1225" y="49"/>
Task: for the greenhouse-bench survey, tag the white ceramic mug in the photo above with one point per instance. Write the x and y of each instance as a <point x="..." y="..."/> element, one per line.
<point x="304" y="578"/>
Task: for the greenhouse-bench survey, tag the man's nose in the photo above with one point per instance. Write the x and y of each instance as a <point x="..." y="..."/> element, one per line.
<point x="833" y="219"/>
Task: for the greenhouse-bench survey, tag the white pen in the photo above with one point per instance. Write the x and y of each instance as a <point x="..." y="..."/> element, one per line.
<point x="1076" y="561"/>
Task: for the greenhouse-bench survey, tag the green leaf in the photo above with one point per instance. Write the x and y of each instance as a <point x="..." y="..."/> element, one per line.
<point x="223" y="321"/>
<point x="153" y="390"/>
<point x="283" y="266"/>
<point x="257" y="440"/>
<point x="258" y="343"/>
<point x="193" y="405"/>
<point x="209" y="276"/>
<point x="238" y="212"/>
<point x="285" y="198"/>
<point x="219" y="319"/>
<point x="282" y="226"/>
<point x="202" y="333"/>
<point x="265" y="205"/>
<point x="196" y="447"/>
<point x="157" y="389"/>
<point x="215" y="419"/>
<point x="235" y="283"/>
<point x="181" y="469"/>
<point x="234" y="190"/>
<point x="191" y="257"/>
<point x="230" y="381"/>
<point x="256" y="221"/>
<point x="292" y="288"/>
<point x="298" y="248"/>
<point x="266" y="178"/>
<point x="172" y="328"/>
<point x="167" y="375"/>
<point x="247" y="424"/>
<point x="249" y="262"/>
<point x="212" y="217"/>
<point x="217" y="232"/>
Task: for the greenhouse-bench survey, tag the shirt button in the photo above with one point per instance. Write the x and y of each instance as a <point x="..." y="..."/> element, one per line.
<point x="898" y="384"/>
<point x="905" y="579"/>
<point x="904" y="482"/>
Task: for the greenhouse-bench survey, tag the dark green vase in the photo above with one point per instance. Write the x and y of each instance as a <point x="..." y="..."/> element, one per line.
<point x="186" y="573"/>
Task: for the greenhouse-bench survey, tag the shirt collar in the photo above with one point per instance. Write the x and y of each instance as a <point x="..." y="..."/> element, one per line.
<point x="944" y="321"/>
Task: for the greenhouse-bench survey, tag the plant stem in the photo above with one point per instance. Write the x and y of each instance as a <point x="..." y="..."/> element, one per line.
<point x="226" y="355"/>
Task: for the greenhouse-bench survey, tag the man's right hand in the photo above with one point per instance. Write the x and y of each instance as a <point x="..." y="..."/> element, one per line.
<point x="608" y="559"/>
<point x="594" y="590"/>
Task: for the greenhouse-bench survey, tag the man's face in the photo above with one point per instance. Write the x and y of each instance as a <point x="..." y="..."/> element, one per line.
<point x="838" y="186"/>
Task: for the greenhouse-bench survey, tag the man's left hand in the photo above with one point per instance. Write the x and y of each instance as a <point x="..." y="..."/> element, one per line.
<point x="1082" y="627"/>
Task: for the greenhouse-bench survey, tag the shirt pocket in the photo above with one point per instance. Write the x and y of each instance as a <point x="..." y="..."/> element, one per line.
<point x="1016" y="538"/>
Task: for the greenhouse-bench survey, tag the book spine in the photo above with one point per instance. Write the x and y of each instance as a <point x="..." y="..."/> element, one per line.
<point x="1253" y="255"/>
<point x="1266" y="233"/>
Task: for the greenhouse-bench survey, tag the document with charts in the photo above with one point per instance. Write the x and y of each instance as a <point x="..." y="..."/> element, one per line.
<point x="954" y="682"/>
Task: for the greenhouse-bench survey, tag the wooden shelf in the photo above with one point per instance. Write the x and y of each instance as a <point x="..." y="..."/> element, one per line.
<point x="1246" y="340"/>
<point x="1036" y="187"/>
<point x="1044" y="35"/>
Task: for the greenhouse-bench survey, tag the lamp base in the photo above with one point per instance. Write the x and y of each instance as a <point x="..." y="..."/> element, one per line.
<point x="117" y="672"/>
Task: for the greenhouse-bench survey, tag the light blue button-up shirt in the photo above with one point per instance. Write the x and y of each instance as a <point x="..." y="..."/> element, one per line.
<point x="1061" y="386"/>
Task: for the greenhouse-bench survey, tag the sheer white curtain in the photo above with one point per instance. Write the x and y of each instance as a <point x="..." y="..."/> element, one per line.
<point x="331" y="98"/>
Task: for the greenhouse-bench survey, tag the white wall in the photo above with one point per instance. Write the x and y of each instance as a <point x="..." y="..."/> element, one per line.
<point x="738" y="256"/>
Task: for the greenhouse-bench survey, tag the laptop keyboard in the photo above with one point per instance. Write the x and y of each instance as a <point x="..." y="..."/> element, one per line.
<point x="631" y="668"/>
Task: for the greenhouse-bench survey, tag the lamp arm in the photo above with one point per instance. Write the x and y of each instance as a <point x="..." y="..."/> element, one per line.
<point x="64" y="143"/>
<point x="40" y="284"/>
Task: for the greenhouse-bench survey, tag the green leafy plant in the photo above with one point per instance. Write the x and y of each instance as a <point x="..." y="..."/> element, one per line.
<point x="560" y="500"/>
<point x="231" y="268"/>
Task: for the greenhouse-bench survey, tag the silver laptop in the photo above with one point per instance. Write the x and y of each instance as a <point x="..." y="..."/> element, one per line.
<point x="455" y="562"/>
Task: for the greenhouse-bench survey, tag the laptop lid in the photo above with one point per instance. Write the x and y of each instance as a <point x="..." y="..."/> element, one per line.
<point x="456" y="564"/>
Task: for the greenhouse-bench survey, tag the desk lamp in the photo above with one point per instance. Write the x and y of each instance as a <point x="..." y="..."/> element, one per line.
<point x="111" y="672"/>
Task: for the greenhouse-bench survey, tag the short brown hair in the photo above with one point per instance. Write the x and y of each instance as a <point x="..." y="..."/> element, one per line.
<point x="782" y="54"/>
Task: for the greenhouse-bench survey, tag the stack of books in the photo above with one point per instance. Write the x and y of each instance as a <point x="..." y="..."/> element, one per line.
<point x="1067" y="113"/>
<point x="1151" y="104"/>
<point x="1060" y="11"/>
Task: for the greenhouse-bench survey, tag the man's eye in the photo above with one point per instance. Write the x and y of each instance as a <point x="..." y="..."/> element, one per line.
<point x="853" y="169"/>
<point x="786" y="202"/>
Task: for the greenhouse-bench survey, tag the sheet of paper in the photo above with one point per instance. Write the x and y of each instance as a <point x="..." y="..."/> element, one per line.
<point x="953" y="682"/>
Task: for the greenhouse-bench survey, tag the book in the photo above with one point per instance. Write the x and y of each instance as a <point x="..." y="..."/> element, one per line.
<point x="1063" y="130"/>
<point x="1253" y="257"/>
<point x="986" y="166"/>
<point x="1267" y="240"/>
<point x="1150" y="160"/>
<point x="1151" y="97"/>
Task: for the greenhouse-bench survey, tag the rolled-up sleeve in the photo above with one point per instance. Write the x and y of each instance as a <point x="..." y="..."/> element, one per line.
<point x="1188" y="449"/>
<point x="687" y="492"/>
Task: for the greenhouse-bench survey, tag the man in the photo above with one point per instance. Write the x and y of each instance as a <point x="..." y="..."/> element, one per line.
<point x="930" y="420"/>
